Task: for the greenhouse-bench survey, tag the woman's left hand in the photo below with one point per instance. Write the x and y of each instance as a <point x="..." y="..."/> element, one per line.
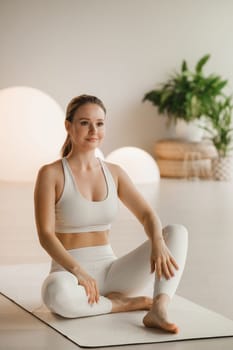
<point x="162" y="261"/>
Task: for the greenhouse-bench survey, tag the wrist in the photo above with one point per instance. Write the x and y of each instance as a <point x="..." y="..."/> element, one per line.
<point x="76" y="270"/>
<point x="156" y="239"/>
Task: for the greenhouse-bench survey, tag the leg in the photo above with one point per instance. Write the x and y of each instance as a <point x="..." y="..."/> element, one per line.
<point x="131" y="272"/>
<point x="121" y="281"/>
<point x="176" y="237"/>
<point x="63" y="296"/>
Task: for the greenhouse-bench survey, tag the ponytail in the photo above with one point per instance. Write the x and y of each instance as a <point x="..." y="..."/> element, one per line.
<point x="67" y="146"/>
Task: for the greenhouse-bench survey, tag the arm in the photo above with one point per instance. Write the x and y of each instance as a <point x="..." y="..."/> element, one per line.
<point x="161" y="259"/>
<point x="44" y="203"/>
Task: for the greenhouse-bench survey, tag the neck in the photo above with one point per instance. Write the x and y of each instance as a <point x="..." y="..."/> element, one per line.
<point x="83" y="160"/>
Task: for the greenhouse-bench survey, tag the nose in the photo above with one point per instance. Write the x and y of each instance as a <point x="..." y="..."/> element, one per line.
<point x="92" y="128"/>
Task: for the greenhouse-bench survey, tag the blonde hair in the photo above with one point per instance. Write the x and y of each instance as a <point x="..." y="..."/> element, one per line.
<point x="72" y="107"/>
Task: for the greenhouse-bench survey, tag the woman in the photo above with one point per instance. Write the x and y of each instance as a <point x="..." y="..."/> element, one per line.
<point x="76" y="199"/>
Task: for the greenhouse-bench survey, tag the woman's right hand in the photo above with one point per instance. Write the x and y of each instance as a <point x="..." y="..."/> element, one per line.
<point x="89" y="284"/>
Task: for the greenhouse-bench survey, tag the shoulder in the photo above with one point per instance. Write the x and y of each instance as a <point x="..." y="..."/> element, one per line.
<point x="50" y="171"/>
<point x="114" y="168"/>
<point x="118" y="173"/>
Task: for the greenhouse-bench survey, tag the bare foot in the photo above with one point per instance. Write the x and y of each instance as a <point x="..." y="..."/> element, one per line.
<point x="122" y="303"/>
<point x="157" y="317"/>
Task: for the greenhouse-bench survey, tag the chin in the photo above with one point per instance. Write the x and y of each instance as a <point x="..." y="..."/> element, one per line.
<point x="92" y="145"/>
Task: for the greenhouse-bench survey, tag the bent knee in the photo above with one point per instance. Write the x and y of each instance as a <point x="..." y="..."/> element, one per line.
<point x="56" y="282"/>
<point x="57" y="293"/>
<point x="176" y="229"/>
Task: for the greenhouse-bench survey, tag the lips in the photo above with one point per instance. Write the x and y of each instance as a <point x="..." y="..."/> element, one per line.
<point x="92" y="139"/>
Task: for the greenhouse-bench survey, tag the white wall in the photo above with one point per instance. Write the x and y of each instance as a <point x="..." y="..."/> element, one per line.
<point x="115" y="49"/>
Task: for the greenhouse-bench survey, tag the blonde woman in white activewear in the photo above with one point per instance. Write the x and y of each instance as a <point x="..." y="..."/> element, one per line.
<point x="76" y="199"/>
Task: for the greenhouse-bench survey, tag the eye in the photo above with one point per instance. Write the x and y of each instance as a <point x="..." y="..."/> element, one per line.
<point x="99" y="124"/>
<point x="84" y="122"/>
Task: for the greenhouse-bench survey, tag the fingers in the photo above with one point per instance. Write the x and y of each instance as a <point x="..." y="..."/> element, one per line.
<point x="158" y="269"/>
<point x="91" y="290"/>
<point x="87" y="288"/>
<point x="162" y="269"/>
<point x="93" y="296"/>
<point x="97" y="295"/>
<point x="168" y="273"/>
<point x="171" y="269"/>
<point x="152" y="266"/>
<point x="165" y="267"/>
<point x="174" y="263"/>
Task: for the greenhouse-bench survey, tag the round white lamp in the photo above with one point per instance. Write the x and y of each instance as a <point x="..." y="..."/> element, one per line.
<point x="31" y="130"/>
<point x="139" y="165"/>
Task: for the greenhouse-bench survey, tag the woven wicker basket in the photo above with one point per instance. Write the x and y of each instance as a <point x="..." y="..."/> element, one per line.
<point x="222" y="168"/>
<point x="180" y="149"/>
<point x="182" y="159"/>
<point x="185" y="169"/>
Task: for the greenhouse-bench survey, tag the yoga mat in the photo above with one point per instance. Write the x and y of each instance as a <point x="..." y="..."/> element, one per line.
<point x="21" y="284"/>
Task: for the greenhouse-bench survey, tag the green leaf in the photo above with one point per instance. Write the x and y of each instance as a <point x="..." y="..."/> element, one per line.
<point x="220" y="85"/>
<point x="189" y="94"/>
<point x="201" y="63"/>
<point x="184" y="66"/>
<point x="207" y="129"/>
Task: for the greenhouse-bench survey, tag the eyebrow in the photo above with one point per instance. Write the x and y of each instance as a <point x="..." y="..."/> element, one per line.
<point x="86" y="118"/>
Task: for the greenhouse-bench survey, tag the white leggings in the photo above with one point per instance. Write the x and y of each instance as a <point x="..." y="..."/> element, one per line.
<point x="128" y="274"/>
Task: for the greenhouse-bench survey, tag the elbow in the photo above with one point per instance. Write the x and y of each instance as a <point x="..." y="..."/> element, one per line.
<point x="42" y="242"/>
<point x="45" y="238"/>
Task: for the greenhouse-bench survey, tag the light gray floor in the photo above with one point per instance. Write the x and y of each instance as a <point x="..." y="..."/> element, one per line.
<point x="205" y="207"/>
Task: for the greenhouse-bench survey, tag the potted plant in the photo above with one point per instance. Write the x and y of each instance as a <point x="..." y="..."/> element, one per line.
<point x="187" y="95"/>
<point x="221" y="133"/>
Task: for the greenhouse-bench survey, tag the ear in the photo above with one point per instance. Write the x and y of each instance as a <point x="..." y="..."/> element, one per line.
<point x="67" y="125"/>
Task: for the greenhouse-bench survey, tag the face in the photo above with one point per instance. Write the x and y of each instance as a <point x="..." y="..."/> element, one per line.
<point x="87" y="129"/>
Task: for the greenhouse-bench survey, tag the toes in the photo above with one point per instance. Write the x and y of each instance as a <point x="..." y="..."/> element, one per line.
<point x="153" y="322"/>
<point x="172" y="327"/>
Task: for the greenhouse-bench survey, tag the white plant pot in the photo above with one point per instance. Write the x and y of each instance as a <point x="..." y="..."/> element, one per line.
<point x="189" y="131"/>
<point x="222" y="168"/>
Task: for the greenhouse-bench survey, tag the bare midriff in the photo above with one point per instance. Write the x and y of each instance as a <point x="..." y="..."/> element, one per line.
<point x="83" y="239"/>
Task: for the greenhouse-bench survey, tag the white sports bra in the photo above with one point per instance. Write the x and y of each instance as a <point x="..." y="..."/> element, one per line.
<point x="76" y="214"/>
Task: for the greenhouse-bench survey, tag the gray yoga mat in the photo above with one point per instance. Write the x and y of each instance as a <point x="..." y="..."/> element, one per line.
<point x="21" y="284"/>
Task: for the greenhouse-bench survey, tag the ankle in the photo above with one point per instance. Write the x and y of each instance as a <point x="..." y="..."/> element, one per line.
<point x="161" y="299"/>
